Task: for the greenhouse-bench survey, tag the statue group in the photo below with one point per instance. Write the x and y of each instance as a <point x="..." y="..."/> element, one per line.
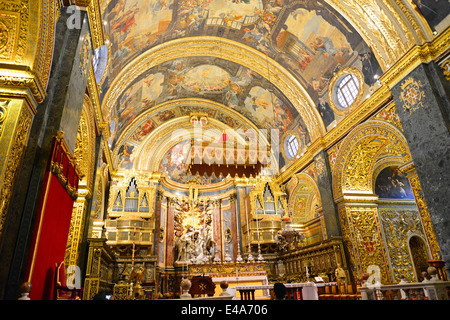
<point x="194" y="224"/>
<point x="195" y="246"/>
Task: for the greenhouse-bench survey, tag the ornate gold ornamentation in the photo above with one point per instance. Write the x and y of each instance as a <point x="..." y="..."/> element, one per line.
<point x="5" y="38"/>
<point x="446" y="67"/>
<point x="412" y="95"/>
<point x="76" y="232"/>
<point x="198" y="118"/>
<point x="84" y="152"/>
<point x="22" y="83"/>
<point x="95" y="23"/>
<point x="47" y="13"/>
<point x="13" y="160"/>
<point x="303" y="198"/>
<point x="417" y="55"/>
<point x="425" y="215"/>
<point x="389" y="114"/>
<point x="118" y="190"/>
<point x="3" y="113"/>
<point x="362" y="235"/>
<point x="398" y="226"/>
<point x="359" y="152"/>
<point x="420" y="26"/>
<point x="85" y="55"/>
<point x="26" y="43"/>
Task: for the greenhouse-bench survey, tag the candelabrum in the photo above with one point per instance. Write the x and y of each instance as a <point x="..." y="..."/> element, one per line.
<point x="250" y="256"/>
<point x="260" y="256"/>
<point x="239" y="257"/>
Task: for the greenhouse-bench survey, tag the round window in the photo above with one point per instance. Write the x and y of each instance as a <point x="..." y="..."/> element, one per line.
<point x="347" y="90"/>
<point x="291" y="146"/>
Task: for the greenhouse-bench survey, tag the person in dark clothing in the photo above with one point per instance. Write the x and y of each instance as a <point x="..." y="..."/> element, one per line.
<point x="279" y="290"/>
<point x="101" y="295"/>
<point x="370" y="68"/>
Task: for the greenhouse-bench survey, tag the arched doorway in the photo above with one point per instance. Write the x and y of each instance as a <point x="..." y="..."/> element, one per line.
<point x="419" y="256"/>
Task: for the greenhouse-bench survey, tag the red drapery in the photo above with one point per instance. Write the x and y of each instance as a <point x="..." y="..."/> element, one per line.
<point x="52" y="222"/>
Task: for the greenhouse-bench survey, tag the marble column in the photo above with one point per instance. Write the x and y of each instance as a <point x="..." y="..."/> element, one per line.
<point x="170" y="236"/>
<point x="158" y="201"/>
<point x="423" y="108"/>
<point x="324" y="184"/>
<point x="60" y="111"/>
<point x="234" y="229"/>
<point x="217" y="230"/>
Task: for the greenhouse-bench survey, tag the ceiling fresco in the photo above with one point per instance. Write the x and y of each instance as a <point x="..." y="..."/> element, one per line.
<point x="310" y="45"/>
<point x="308" y="38"/>
<point x="214" y="79"/>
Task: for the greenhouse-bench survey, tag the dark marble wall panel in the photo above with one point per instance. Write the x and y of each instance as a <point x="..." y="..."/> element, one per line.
<point x="324" y="183"/>
<point x="422" y="102"/>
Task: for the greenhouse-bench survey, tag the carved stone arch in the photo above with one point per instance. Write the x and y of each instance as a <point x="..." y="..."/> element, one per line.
<point x="184" y="102"/>
<point x="420" y="253"/>
<point x="162" y="139"/>
<point x="305" y="193"/>
<point x="360" y="151"/>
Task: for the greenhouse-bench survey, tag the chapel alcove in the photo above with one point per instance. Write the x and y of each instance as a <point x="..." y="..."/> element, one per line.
<point x="419" y="256"/>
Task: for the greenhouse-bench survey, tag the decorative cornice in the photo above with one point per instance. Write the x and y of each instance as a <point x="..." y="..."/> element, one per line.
<point x="95" y="22"/>
<point x="414" y="57"/>
<point x="21" y="81"/>
<point x="94" y="96"/>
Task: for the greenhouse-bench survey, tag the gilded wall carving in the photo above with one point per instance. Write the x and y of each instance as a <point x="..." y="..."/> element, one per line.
<point x="359" y="152"/>
<point x="3" y="113"/>
<point x="425" y="215"/>
<point x="75" y="232"/>
<point x="26" y="39"/>
<point x="304" y="198"/>
<point x="12" y="146"/>
<point x="363" y="239"/>
<point x="8" y="29"/>
<point x="446" y="67"/>
<point x="84" y="152"/>
<point x="389" y="114"/>
<point x="84" y="155"/>
<point x="398" y="226"/>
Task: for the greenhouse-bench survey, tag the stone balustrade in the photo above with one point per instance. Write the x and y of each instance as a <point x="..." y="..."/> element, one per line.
<point x="425" y="290"/>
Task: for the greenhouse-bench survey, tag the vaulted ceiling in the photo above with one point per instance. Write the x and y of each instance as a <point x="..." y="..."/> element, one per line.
<point x="249" y="64"/>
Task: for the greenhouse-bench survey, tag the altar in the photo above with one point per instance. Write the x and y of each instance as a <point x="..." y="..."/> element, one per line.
<point x="235" y="274"/>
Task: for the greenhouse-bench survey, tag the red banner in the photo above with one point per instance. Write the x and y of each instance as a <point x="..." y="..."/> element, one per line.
<point x="52" y="221"/>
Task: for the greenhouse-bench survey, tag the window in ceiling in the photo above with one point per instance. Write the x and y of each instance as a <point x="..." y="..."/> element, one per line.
<point x="99" y="62"/>
<point x="347" y="90"/>
<point x="291" y="146"/>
